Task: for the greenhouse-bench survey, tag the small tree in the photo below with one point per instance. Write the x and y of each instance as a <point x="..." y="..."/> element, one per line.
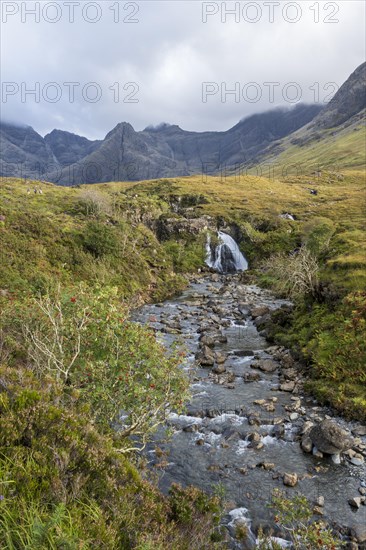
<point x="295" y="275"/>
<point x="85" y="341"/>
<point x="95" y="203"/>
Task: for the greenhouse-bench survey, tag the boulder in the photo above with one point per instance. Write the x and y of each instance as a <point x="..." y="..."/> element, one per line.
<point x="356" y="501"/>
<point x="262" y="322"/>
<point x="207" y="340"/>
<point x="359" y="533"/>
<point x="330" y="438"/>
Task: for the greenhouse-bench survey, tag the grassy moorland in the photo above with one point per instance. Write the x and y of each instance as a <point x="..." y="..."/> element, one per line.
<point x="74" y="260"/>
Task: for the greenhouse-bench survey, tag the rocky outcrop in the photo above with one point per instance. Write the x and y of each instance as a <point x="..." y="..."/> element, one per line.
<point x="168" y="227"/>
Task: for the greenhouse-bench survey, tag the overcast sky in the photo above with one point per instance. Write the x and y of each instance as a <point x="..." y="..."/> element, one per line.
<point x="170" y="61"/>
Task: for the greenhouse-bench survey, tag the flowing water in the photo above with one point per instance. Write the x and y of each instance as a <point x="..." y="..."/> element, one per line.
<point x="226" y="257"/>
<point x="210" y="444"/>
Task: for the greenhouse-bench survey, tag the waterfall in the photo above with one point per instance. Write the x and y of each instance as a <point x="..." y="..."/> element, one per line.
<point x="226" y="258"/>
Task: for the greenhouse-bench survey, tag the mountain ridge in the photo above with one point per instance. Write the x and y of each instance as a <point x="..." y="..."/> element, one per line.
<point x="167" y="150"/>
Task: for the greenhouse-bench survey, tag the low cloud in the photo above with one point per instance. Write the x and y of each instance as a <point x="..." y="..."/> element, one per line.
<point x="148" y="62"/>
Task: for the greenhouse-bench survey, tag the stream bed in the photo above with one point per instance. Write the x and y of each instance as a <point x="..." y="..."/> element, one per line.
<point x="240" y="430"/>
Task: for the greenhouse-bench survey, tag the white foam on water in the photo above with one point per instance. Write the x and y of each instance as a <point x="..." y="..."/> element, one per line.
<point x="226" y="240"/>
<point x="238" y="513"/>
<point x="174" y="417"/>
<point x="212" y="439"/>
<point x="242" y="447"/>
<point x="269" y="440"/>
<point x="200" y="394"/>
<point x="231" y="417"/>
<point x="281" y="542"/>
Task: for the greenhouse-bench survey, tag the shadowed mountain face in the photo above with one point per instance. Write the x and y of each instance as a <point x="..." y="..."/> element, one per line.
<point x="23" y="152"/>
<point x="347" y="102"/>
<point x="69" y="148"/>
<point x="169" y="151"/>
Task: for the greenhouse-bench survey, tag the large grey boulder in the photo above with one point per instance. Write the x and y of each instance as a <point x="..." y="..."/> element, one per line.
<point x="330" y="438"/>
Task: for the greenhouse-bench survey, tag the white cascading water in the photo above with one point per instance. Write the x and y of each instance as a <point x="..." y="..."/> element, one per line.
<point x="227" y="256"/>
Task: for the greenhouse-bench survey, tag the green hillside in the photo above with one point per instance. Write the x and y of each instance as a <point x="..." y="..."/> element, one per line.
<point x="305" y="151"/>
<point x="74" y="261"/>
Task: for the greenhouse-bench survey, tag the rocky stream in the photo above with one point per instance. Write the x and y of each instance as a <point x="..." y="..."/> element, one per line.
<point x="249" y="426"/>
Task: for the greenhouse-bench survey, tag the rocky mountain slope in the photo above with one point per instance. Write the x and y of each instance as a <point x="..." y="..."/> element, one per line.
<point x="23" y="152"/>
<point x="305" y="133"/>
<point x="69" y="148"/>
<point x="335" y="138"/>
<point x="124" y="154"/>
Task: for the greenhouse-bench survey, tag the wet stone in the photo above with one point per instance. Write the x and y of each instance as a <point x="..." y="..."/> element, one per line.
<point x="290" y="480"/>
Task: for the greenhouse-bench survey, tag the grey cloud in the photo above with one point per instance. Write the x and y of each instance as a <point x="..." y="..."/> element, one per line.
<point x="169" y="54"/>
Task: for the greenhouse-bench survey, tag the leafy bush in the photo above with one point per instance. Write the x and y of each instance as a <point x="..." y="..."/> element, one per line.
<point x="99" y="240"/>
<point x="317" y="235"/>
<point x="64" y="485"/>
<point x="294" y="517"/>
<point x="84" y="340"/>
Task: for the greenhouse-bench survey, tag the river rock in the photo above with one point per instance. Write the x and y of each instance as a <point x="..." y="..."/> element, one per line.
<point x="306" y="444"/>
<point x="319" y="454"/>
<point x="261" y="321"/>
<point x="259" y="311"/>
<point x="287" y="361"/>
<point x="359" y="533"/>
<point x="356" y="501"/>
<point x="357" y="460"/>
<point x="219" y="369"/>
<point x="290" y="480"/>
<point x="330" y="438"/>
<point x="206" y="357"/>
<point x="251" y="377"/>
<point x="287" y="386"/>
<point x="279" y="430"/>
<point x="290" y="374"/>
<point x="253" y="419"/>
<point x="266" y="465"/>
<point x="360" y="430"/>
<point x="191" y="428"/>
<point x="255" y="440"/>
<point x="265" y="365"/>
<point x="220" y="357"/>
<point x="207" y="340"/>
